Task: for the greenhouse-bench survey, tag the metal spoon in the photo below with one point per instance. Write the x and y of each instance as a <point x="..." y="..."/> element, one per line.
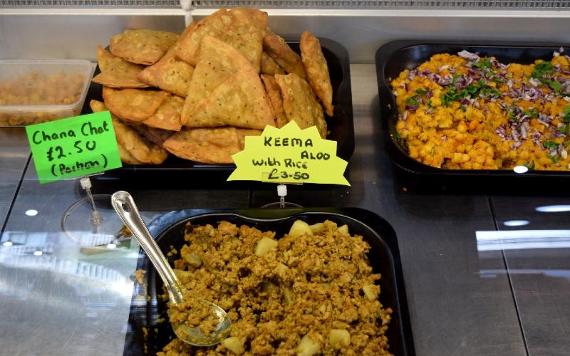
<point x="125" y="207"/>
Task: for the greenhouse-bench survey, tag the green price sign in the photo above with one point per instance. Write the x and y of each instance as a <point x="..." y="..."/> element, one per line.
<point x="73" y="147"/>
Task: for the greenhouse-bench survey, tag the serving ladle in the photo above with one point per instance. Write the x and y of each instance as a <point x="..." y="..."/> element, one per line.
<point x="125" y="207"/>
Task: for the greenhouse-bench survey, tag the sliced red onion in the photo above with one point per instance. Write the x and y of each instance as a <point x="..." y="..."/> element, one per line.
<point x="536" y="138"/>
<point x="501" y="132"/>
<point x="557" y="134"/>
<point x="544" y="118"/>
<point x="468" y="55"/>
<point x="534" y="82"/>
<point x="566" y="87"/>
<point x="524" y="130"/>
<point x="445" y="80"/>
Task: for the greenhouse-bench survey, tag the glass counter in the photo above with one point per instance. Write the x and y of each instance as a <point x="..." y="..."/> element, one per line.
<point x="484" y="273"/>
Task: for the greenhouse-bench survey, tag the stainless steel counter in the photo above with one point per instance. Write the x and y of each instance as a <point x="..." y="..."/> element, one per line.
<point x="464" y="298"/>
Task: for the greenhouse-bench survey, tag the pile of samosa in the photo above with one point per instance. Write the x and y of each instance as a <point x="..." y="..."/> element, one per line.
<point x="198" y="94"/>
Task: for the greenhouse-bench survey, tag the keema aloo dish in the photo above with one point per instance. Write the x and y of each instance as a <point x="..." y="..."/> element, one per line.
<point x="227" y="74"/>
<point x="465" y="111"/>
<point x="309" y="292"/>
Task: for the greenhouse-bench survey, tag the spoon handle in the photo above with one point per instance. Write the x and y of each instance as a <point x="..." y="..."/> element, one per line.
<point x="127" y="210"/>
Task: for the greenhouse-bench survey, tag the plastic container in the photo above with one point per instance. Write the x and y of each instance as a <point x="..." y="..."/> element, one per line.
<point x="149" y="330"/>
<point x="396" y="56"/>
<point x="340" y="126"/>
<point x="34" y="91"/>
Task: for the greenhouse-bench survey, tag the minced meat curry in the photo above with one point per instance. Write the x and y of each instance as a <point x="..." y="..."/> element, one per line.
<point x="310" y="292"/>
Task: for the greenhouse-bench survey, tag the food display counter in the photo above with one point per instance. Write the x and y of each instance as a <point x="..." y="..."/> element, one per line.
<point x="485" y="267"/>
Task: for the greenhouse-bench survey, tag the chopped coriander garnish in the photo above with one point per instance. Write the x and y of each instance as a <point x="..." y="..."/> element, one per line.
<point x="532" y="113"/>
<point x="543" y="72"/>
<point x="483" y="63"/>
<point x="449" y="96"/>
<point x="454" y="78"/>
<point x="566" y="114"/>
<point x="401" y="142"/>
<point x="542" y="69"/>
<point x="421" y="91"/>
<point x="413" y="101"/>
<point x="529" y="165"/>
<point x="489" y="92"/>
<point x="550" y="145"/>
<point x="554" y="85"/>
<point x="554" y="159"/>
<point x="479" y="88"/>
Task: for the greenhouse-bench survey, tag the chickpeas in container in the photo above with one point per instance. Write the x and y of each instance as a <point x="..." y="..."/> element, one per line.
<point x="34" y="91"/>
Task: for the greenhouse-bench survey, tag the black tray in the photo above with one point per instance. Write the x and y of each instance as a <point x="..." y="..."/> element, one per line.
<point x="396" y="56"/>
<point x="340" y="126"/>
<point x="384" y="257"/>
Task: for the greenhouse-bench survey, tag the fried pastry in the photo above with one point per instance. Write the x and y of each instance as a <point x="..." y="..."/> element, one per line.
<point x="124" y="154"/>
<point x="300" y="103"/>
<point x="208" y="145"/>
<point x="167" y="116"/>
<point x="133" y="149"/>
<point x="279" y="50"/>
<point x="116" y="72"/>
<point x="274" y="95"/>
<point x="218" y="62"/>
<point x="154" y="135"/>
<point x="317" y="70"/>
<point x="241" y="28"/>
<point x="133" y="104"/>
<point x="239" y="101"/>
<point x="142" y="46"/>
<point x="269" y="66"/>
<point x="169" y="73"/>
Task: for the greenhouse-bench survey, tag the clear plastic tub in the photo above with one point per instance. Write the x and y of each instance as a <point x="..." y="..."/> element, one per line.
<point x="34" y="91"/>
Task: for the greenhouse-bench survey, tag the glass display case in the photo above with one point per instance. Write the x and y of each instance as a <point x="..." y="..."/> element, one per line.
<point x="484" y="263"/>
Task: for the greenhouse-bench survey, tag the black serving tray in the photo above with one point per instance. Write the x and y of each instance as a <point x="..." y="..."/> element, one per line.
<point x="396" y="56"/>
<point x="147" y="307"/>
<point x="341" y="126"/>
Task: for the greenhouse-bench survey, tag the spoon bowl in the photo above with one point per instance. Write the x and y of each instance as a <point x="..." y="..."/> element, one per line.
<point x="127" y="210"/>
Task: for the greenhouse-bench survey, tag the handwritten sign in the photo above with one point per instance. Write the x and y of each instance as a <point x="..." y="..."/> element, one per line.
<point x="73" y="147"/>
<point x="289" y="155"/>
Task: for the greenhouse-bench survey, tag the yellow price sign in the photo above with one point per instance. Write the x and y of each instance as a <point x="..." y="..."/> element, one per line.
<point x="289" y="155"/>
